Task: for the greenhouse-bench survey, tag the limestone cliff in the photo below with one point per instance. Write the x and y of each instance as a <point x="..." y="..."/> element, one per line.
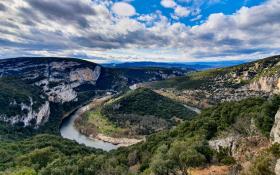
<point x="275" y="132"/>
<point x="64" y="81"/>
<point x="30" y="117"/>
<point x="266" y="84"/>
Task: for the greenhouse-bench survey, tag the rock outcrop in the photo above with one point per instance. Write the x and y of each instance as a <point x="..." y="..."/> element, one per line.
<point x="228" y="142"/>
<point x="277" y="167"/>
<point x="275" y="131"/>
<point x="64" y="80"/>
<point x="31" y="117"/>
<point x="266" y="84"/>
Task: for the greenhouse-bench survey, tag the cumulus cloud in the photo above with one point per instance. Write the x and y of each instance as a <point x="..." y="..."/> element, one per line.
<point x="123" y="9"/>
<point x="179" y="11"/>
<point x="168" y="3"/>
<point x="182" y="11"/>
<point x="94" y="29"/>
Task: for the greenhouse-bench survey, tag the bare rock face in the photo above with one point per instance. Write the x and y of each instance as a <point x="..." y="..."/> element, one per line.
<point x="31" y="117"/>
<point x="228" y="142"/>
<point x="266" y="84"/>
<point x="85" y="74"/>
<point x="275" y="131"/>
<point x="277" y="167"/>
<point x="62" y="93"/>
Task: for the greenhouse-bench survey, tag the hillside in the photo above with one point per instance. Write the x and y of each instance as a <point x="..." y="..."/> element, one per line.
<point x="41" y="90"/>
<point x="206" y="88"/>
<point x="137" y="112"/>
<point x="237" y="131"/>
<point x="195" y="145"/>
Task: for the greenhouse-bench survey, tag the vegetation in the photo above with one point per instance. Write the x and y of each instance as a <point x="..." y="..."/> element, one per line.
<point x="138" y="112"/>
<point x="93" y="122"/>
<point x="173" y="151"/>
<point x="234" y="76"/>
<point x="144" y="101"/>
<point x="265" y="162"/>
<point x="15" y="91"/>
<point x="170" y="151"/>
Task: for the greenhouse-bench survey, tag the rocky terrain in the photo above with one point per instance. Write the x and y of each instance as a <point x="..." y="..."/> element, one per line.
<point x="237" y="131"/>
<point x="65" y="82"/>
<point x="207" y="88"/>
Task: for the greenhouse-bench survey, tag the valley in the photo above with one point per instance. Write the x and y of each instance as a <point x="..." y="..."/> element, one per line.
<point x="76" y="117"/>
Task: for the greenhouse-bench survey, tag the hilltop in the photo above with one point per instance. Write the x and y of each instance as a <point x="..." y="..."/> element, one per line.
<point x="42" y="90"/>
<point x="137" y="112"/>
<point x="202" y="89"/>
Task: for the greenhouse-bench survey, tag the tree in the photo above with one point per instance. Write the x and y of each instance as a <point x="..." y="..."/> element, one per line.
<point x="183" y="156"/>
<point x="160" y="163"/>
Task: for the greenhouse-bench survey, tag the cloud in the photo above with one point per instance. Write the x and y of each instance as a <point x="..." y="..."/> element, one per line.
<point x="182" y="11"/>
<point x="94" y="29"/>
<point x="168" y="3"/>
<point x="123" y="9"/>
<point x="64" y="11"/>
<point x="179" y="11"/>
<point x="2" y="7"/>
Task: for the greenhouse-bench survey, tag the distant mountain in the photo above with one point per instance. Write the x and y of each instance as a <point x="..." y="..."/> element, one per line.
<point x="183" y="65"/>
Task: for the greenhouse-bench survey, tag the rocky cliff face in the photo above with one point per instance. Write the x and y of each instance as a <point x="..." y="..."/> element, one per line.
<point x="58" y="78"/>
<point x="275" y="132"/>
<point x="203" y="89"/>
<point x="266" y="84"/>
<point x="66" y="80"/>
<point x="275" y="138"/>
<point x="30" y="116"/>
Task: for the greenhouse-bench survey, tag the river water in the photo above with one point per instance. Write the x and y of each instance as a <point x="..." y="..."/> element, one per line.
<point x="68" y="131"/>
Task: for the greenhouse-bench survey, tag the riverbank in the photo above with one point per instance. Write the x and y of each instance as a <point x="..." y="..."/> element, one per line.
<point x="118" y="141"/>
<point x="93" y="134"/>
<point x="68" y="131"/>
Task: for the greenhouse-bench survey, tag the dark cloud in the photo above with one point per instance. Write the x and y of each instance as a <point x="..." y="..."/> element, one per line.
<point x="138" y="38"/>
<point x="89" y="27"/>
<point x="230" y="41"/>
<point x="2" y="7"/>
<point x="232" y="52"/>
<point x="64" y="10"/>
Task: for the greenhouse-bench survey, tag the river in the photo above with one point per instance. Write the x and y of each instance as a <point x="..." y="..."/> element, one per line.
<point x="68" y="131"/>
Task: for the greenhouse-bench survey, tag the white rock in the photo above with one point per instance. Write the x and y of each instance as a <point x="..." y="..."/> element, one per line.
<point x="266" y="84"/>
<point x="85" y="74"/>
<point x="40" y="116"/>
<point x="275" y="131"/>
<point x="277" y="167"/>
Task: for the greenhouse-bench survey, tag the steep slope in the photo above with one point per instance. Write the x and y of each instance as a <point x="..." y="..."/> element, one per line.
<point x="22" y="104"/>
<point x="186" y="148"/>
<point x="206" y="88"/>
<point x="60" y="85"/>
<point x="137" y="112"/>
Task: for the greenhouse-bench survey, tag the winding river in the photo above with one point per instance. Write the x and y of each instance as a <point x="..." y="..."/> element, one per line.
<point x="68" y="130"/>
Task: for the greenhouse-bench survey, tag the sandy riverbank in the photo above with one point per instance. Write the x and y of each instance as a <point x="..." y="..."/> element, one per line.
<point x="118" y="141"/>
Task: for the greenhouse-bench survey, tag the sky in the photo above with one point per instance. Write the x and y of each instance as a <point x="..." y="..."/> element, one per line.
<point x="140" y="30"/>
